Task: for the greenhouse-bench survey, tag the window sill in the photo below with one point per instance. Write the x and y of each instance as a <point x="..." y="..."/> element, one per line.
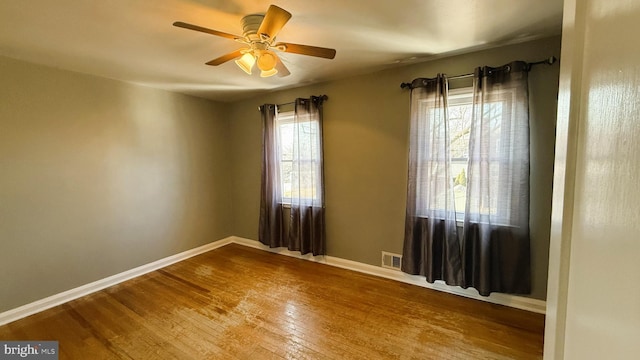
<point x="288" y="205"/>
<point x="460" y="223"/>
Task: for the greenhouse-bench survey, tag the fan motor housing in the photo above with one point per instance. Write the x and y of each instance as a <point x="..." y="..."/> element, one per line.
<point x="250" y="26"/>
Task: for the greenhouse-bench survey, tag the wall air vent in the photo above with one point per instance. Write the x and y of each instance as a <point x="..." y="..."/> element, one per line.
<point x="391" y="261"/>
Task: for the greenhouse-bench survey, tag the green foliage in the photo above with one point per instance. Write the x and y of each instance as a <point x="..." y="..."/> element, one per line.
<point x="461" y="179"/>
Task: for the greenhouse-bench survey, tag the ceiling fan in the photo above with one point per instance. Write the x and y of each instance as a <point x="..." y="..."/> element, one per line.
<point x="259" y="34"/>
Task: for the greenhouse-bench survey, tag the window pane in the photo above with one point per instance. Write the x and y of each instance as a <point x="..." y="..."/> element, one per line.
<point x="285" y="176"/>
<point x="286" y="141"/>
<point x="459" y="129"/>
<point x="307" y="136"/>
<point x="305" y="185"/>
<point x="459" y="172"/>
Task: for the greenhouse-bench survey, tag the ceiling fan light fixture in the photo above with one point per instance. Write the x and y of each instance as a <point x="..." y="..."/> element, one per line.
<point x="259" y="34"/>
<point x="268" y="73"/>
<point x="246" y="62"/>
<point x="267" y="60"/>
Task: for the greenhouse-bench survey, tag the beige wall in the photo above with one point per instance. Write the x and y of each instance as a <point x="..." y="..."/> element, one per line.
<point x="366" y="147"/>
<point x="98" y="177"/>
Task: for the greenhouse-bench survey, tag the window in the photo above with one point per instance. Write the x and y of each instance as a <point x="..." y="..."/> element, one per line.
<point x="460" y="109"/>
<point x="299" y="152"/>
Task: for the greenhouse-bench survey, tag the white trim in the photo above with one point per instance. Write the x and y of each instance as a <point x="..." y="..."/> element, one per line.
<point x="569" y="119"/>
<point x="66" y="296"/>
<point x="519" y="302"/>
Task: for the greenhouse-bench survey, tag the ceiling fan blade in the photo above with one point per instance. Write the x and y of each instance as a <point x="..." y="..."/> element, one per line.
<point x="307" y="50"/>
<point x="282" y="70"/>
<point x="224" y="58"/>
<point x="205" y="30"/>
<point x="273" y="22"/>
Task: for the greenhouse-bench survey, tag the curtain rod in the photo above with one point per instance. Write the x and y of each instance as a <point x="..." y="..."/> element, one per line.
<point x="323" y="97"/>
<point x="549" y="61"/>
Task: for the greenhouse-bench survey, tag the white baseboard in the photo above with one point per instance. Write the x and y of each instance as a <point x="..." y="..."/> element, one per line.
<point x="519" y="302"/>
<point x="63" y="297"/>
<point x="534" y="305"/>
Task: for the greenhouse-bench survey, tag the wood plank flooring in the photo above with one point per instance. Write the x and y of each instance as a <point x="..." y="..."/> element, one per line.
<point x="242" y="303"/>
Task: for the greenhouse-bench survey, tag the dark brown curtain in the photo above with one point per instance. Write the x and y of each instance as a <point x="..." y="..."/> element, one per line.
<point x="271" y="230"/>
<point x="299" y="189"/>
<point x="496" y="245"/>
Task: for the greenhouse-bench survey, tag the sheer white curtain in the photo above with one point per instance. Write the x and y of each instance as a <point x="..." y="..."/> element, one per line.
<point x="496" y="226"/>
<point x="431" y="245"/>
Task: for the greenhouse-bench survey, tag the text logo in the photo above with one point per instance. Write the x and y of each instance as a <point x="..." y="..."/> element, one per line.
<point x="32" y="350"/>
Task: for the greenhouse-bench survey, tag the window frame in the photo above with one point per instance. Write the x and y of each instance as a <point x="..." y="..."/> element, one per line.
<point x="284" y="118"/>
<point x="464" y="96"/>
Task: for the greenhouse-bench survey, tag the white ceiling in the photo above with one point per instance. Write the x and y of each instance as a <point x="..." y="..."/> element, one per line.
<point x="134" y="40"/>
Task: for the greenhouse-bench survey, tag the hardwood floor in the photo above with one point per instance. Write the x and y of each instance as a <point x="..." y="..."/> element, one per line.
<point x="242" y="303"/>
